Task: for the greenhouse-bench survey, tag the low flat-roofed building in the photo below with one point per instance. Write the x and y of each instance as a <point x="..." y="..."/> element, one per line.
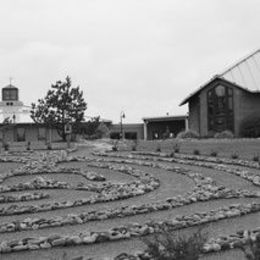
<point x="164" y="126"/>
<point x="127" y="131"/>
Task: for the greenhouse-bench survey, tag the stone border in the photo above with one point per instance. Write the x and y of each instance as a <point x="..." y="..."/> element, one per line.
<point x="130" y="230"/>
<point x="253" y="178"/>
<point x="239" y="162"/>
<point x="23" y="197"/>
<point x="107" y="191"/>
<point x="120" y="212"/>
<point x="205" y="190"/>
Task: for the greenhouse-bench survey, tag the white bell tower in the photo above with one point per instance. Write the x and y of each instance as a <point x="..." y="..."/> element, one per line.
<point x="11" y="108"/>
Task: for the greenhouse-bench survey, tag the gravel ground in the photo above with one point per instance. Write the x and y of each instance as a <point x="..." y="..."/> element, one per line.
<point x="115" y="248"/>
<point x="143" y="218"/>
<point x="6" y="166"/>
<point x="172" y="184"/>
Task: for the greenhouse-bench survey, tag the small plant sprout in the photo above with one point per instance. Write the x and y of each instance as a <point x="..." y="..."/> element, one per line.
<point x="115" y="146"/>
<point x="256" y="158"/>
<point x="176" y="148"/>
<point x="158" y="147"/>
<point x="214" y="153"/>
<point x="196" y="152"/>
<point x="134" y="145"/>
<point x="28" y="147"/>
<point x="234" y="155"/>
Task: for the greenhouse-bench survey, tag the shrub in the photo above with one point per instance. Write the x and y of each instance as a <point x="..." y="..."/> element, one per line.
<point x="168" y="246"/>
<point x="255" y="158"/>
<point x="224" y="135"/>
<point x="115" y="146"/>
<point x="187" y="134"/>
<point x="6" y="146"/>
<point x="49" y="146"/>
<point x="102" y="131"/>
<point x="252" y="249"/>
<point x="250" y="127"/>
<point x="171" y="154"/>
<point x="134" y="145"/>
<point x="28" y="147"/>
<point x="214" y="154"/>
<point x="158" y="148"/>
<point x="176" y="148"/>
<point x="234" y="155"/>
<point x="196" y="152"/>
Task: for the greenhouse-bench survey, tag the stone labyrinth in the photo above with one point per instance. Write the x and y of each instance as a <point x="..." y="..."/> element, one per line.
<point x="103" y="204"/>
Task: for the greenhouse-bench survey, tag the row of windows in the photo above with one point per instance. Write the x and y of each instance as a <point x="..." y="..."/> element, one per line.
<point x="21" y="134"/>
<point x="9" y="94"/>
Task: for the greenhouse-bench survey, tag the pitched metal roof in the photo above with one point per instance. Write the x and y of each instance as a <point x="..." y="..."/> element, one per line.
<point x="245" y="74"/>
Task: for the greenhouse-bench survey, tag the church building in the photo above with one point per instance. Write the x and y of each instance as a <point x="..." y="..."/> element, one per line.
<point x="228" y="100"/>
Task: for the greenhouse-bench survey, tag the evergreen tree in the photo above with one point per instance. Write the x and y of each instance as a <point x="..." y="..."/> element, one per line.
<point x="62" y="104"/>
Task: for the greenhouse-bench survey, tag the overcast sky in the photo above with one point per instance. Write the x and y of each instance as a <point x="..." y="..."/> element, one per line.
<point x="140" y="56"/>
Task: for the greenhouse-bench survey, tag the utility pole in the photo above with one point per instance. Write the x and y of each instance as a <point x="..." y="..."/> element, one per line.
<point x="122" y="115"/>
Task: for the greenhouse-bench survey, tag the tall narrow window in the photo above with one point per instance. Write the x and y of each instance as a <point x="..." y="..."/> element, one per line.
<point x="220" y="109"/>
<point x="20" y="134"/>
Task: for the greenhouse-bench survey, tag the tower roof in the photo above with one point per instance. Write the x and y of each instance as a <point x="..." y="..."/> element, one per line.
<point x="10" y="86"/>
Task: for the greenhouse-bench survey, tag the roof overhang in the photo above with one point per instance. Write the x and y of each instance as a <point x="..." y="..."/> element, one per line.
<point x="164" y="118"/>
<point x="211" y="81"/>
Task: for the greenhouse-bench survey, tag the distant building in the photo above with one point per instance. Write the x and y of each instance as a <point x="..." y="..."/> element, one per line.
<point x="227" y="100"/>
<point x="11" y="108"/>
<point x="128" y="131"/>
<point x="152" y="128"/>
<point x="164" y="127"/>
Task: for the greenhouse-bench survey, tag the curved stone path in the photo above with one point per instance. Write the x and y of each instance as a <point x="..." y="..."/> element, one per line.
<point x="90" y="197"/>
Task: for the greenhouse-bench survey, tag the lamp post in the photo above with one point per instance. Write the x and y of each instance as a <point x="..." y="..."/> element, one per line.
<point x="122" y="115"/>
